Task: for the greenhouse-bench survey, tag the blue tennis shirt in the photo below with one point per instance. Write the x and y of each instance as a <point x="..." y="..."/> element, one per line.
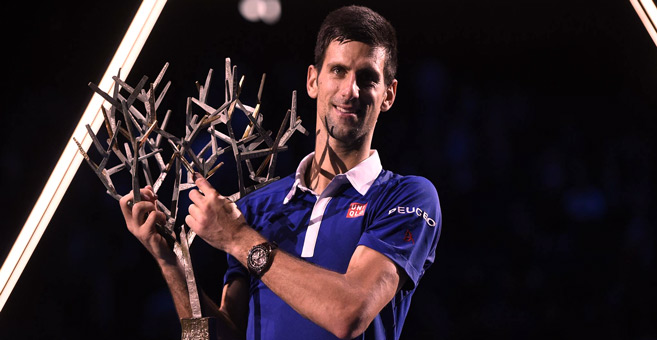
<point x="398" y="216"/>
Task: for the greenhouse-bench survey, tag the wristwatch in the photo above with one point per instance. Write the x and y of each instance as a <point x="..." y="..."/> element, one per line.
<point x="260" y="257"/>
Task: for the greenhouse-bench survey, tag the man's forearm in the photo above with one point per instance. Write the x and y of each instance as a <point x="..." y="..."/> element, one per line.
<point x="175" y="279"/>
<point x="343" y="304"/>
<point x="323" y="296"/>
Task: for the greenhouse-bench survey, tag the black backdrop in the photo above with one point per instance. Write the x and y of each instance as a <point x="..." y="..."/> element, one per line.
<point x="533" y="119"/>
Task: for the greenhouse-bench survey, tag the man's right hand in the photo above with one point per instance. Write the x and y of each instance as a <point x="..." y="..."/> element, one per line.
<point x="141" y="218"/>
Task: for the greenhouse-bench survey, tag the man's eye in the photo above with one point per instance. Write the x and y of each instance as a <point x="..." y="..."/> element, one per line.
<point x="338" y="70"/>
<point x="367" y="83"/>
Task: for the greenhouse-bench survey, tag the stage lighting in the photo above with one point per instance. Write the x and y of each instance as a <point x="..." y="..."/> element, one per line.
<point x="267" y="11"/>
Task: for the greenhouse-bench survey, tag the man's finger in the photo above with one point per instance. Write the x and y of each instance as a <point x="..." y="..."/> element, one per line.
<point x="140" y="211"/>
<point x="193" y="210"/>
<point x="205" y="186"/>
<point x="126" y="207"/>
<point x="147" y="194"/>
<point x="191" y="223"/>
<point x="195" y="196"/>
<point x="155" y="217"/>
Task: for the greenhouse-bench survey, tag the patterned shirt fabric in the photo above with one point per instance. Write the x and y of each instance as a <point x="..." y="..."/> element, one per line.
<point x="397" y="216"/>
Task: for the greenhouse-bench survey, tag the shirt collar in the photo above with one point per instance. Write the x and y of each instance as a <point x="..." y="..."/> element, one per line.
<point x="361" y="177"/>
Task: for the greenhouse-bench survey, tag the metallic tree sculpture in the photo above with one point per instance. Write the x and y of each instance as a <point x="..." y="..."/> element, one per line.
<point x="141" y="153"/>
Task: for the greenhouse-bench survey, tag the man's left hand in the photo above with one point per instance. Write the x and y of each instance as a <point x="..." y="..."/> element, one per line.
<point x="213" y="217"/>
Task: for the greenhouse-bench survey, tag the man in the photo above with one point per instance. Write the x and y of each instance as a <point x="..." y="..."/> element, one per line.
<point x="337" y="249"/>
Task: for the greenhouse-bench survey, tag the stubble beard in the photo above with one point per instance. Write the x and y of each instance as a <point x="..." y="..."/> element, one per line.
<point x="349" y="136"/>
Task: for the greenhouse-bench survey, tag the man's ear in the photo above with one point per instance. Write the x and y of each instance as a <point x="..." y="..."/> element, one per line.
<point x="311" y="82"/>
<point x="389" y="99"/>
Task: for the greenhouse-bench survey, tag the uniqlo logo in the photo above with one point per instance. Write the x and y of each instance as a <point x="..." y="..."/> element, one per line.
<point x="356" y="210"/>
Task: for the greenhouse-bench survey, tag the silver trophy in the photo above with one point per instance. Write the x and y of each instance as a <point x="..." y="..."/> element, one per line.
<point x="135" y="145"/>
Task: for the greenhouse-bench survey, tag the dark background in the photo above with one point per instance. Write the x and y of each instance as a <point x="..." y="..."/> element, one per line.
<point x="534" y="120"/>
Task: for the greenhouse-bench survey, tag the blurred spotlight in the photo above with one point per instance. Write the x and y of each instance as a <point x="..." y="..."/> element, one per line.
<point x="267" y="11"/>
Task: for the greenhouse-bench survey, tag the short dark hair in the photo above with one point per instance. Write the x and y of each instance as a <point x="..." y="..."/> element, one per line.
<point x="358" y="23"/>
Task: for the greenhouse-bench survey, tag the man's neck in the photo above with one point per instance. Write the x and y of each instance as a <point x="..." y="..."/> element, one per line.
<point x="332" y="158"/>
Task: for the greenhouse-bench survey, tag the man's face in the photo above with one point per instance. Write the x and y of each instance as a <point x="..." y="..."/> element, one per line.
<point x="350" y="91"/>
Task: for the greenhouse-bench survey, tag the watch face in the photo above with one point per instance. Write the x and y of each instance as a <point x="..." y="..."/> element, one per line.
<point x="259" y="257"/>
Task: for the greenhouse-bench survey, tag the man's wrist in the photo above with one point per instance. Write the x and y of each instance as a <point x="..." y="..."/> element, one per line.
<point x="242" y="243"/>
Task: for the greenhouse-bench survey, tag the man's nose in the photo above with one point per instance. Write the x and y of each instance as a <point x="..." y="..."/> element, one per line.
<point x="349" y="87"/>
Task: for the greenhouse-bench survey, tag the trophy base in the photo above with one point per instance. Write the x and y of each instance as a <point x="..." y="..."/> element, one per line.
<point x="199" y="328"/>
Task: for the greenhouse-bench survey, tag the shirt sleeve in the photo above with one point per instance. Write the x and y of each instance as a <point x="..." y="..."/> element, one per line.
<point x="406" y="226"/>
<point x="235" y="270"/>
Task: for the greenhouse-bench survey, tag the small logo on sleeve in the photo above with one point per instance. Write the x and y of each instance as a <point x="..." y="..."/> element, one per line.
<point x="356" y="210"/>
<point x="408" y="236"/>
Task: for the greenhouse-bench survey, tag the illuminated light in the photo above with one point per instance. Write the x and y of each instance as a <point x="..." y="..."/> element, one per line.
<point x="249" y="10"/>
<point x="70" y="160"/>
<point x="269" y="11"/>
<point x="648" y="13"/>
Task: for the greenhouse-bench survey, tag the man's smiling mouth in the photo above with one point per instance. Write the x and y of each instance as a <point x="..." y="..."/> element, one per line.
<point x="346" y="110"/>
